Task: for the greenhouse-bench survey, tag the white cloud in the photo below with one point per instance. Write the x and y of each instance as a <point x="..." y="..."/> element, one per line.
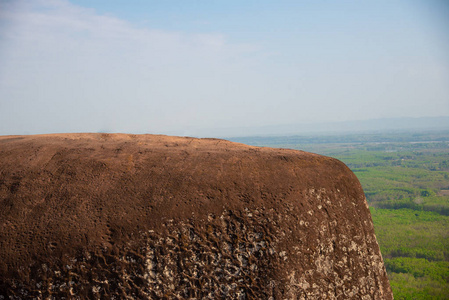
<point x="94" y="70"/>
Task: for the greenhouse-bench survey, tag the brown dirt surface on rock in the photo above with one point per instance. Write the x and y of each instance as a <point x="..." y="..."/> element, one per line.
<point x="106" y="216"/>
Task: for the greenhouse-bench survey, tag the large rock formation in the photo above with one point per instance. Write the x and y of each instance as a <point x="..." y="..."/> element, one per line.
<point x="111" y="215"/>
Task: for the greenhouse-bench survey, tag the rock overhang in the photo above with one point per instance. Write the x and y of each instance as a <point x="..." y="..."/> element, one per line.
<point x="156" y="216"/>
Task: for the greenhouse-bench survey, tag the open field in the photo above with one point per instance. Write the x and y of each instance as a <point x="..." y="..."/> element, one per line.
<point x="405" y="176"/>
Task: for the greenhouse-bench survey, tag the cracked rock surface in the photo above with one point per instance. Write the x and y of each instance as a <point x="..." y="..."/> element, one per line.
<point x="110" y="216"/>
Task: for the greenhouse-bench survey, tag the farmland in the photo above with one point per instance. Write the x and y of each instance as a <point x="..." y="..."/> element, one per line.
<point x="405" y="176"/>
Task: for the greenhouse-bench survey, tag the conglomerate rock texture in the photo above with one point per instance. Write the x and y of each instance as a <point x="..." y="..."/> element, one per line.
<point x="110" y="216"/>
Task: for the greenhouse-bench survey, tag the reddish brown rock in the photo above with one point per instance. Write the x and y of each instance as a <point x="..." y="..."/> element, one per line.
<point x="114" y="215"/>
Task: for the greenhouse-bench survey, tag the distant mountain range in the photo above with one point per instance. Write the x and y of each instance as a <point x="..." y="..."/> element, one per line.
<point x="375" y="125"/>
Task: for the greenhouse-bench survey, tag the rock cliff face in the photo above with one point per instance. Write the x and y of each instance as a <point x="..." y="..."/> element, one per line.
<point x="155" y="217"/>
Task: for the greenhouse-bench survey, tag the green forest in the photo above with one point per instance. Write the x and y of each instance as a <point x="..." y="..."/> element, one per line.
<point x="405" y="176"/>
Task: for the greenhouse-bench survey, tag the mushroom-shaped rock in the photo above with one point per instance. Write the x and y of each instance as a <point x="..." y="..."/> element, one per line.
<point x="154" y="217"/>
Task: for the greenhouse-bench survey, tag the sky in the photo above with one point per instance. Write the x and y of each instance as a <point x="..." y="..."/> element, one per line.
<point x="182" y="67"/>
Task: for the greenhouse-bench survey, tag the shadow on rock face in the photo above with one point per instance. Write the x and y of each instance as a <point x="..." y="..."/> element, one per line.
<point x="107" y="216"/>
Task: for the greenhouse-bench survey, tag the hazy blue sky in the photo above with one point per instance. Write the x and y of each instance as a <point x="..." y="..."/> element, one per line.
<point x="182" y="66"/>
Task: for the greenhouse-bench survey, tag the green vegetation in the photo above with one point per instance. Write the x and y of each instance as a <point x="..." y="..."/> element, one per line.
<point x="405" y="176"/>
<point x="415" y="248"/>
